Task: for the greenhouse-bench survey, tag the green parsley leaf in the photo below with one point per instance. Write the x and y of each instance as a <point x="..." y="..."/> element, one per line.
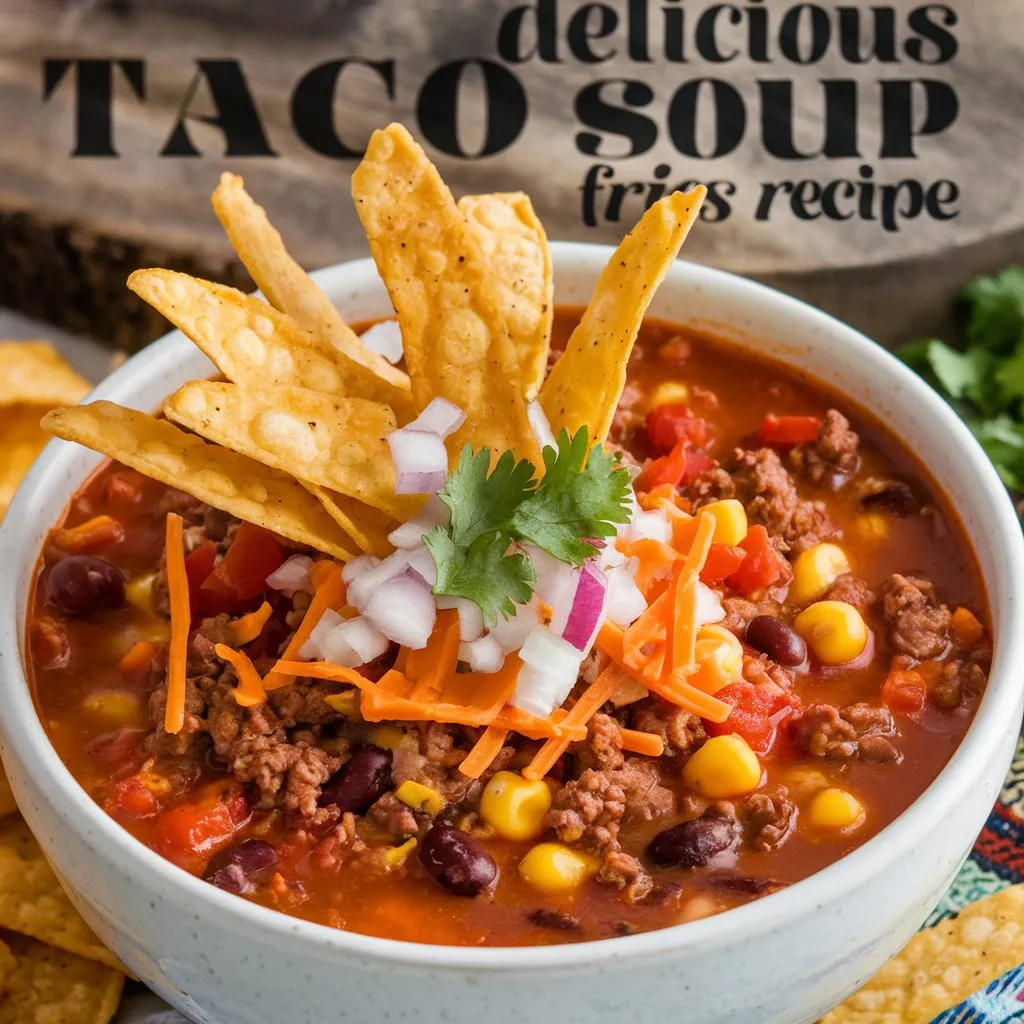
<point x="482" y="572"/>
<point x="996" y="310"/>
<point x="579" y="497"/>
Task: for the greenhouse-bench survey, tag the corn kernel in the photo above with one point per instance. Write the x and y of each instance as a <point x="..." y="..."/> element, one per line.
<point x="815" y="570"/>
<point x="802" y="780"/>
<point x="552" y="867"/>
<point x="730" y="520"/>
<point x="834" y="630"/>
<point x="669" y="392"/>
<point x="723" y="767"/>
<point x="420" y="797"/>
<point x="160" y="785"/>
<point x="396" y="856"/>
<point x="515" y="807"/>
<point x="139" y="592"/>
<point x="872" y="526"/>
<point x="387" y="737"/>
<point x="345" y="703"/>
<point x="719" y="659"/>
<point x="115" y="705"/>
<point x="835" y="809"/>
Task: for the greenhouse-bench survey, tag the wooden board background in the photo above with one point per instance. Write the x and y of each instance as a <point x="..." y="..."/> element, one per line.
<point x="71" y="229"/>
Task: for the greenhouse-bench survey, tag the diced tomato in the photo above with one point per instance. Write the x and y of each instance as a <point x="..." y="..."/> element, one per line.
<point x="669" y="469"/>
<point x="785" y="431"/>
<point x="722" y="561"/>
<point x="668" y="424"/>
<point x="762" y="565"/>
<point x="131" y="798"/>
<point x="242" y="573"/>
<point x="198" y="567"/>
<point x="696" y="463"/>
<point x="123" y="489"/>
<point x="904" y="691"/>
<point x="756" y="712"/>
<point x="190" y="833"/>
<point x="115" y="747"/>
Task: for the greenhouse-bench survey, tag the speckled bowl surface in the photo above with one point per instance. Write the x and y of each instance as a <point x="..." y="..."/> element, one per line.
<point x="786" y="957"/>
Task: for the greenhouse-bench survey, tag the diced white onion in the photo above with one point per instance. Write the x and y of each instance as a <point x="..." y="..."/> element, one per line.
<point x="482" y="655"/>
<point x="292" y="576"/>
<point x="421" y="562"/>
<point x="550" y="668"/>
<point x="421" y="460"/>
<point x="354" y="642"/>
<point x="541" y="428"/>
<point x="511" y="633"/>
<point x="384" y="338"/>
<point x="709" y="605"/>
<point x="440" y="417"/>
<point x="651" y="525"/>
<point x="624" y="603"/>
<point x="354" y="569"/>
<point x="556" y="581"/>
<point x="471" y="619"/>
<point x="313" y="648"/>
<point x="362" y="587"/>
<point x="403" y="609"/>
<point x="410" y="533"/>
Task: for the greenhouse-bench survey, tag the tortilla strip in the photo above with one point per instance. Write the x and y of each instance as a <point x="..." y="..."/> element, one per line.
<point x="584" y="386"/>
<point x="231" y="482"/>
<point x="365" y="525"/>
<point x="285" y="284"/>
<point x="35" y="374"/>
<point x="448" y="306"/>
<point x="512" y="239"/>
<point x="254" y="344"/>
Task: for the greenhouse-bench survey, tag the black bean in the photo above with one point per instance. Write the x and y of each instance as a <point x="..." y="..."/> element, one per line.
<point x="894" y="496"/>
<point x="693" y="843"/>
<point x="776" y="639"/>
<point x="82" y="585"/>
<point x="457" y="861"/>
<point x="360" y="782"/>
<point x="237" y="868"/>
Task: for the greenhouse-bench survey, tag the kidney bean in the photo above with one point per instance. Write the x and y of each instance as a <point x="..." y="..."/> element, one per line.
<point x="237" y="868"/>
<point x="457" y="861"/>
<point x="360" y="781"/>
<point x="80" y="585"/>
<point x="894" y="496"/>
<point x="693" y="843"/>
<point x="776" y="639"/>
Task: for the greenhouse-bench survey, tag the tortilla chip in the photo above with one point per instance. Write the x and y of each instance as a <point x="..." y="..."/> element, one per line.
<point x="365" y="525"/>
<point x="7" y="804"/>
<point x="943" y="965"/>
<point x="584" y="386"/>
<point x="32" y="901"/>
<point x="32" y="372"/>
<point x="448" y="304"/>
<point x="22" y="439"/>
<point x="231" y="482"/>
<point x="254" y="344"/>
<point x="332" y="442"/>
<point x="49" y="986"/>
<point x="285" y="284"/>
<point x="8" y="965"/>
<point x="513" y="242"/>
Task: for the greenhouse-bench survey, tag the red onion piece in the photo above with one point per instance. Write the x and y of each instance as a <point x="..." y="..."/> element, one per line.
<point x="410" y="533"/>
<point x="587" y="607"/>
<point x="384" y="338"/>
<point x="440" y="417"/>
<point x="361" y="588"/>
<point x="421" y="562"/>
<point x="292" y="576"/>
<point x="421" y="461"/>
<point x="403" y="609"/>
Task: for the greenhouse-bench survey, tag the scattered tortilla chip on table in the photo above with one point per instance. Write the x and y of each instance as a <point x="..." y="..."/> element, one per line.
<point x="35" y="374"/>
<point x="512" y="239"/>
<point x="285" y="284"/>
<point x="457" y="345"/>
<point x="254" y="344"/>
<point x="231" y="482"/>
<point x="45" y="985"/>
<point x="584" y="386"/>
<point x="942" y="965"/>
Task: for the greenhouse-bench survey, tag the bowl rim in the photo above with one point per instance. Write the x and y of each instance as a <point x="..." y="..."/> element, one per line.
<point x="21" y="728"/>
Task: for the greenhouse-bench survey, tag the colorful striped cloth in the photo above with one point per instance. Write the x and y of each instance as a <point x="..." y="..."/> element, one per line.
<point x="996" y="862"/>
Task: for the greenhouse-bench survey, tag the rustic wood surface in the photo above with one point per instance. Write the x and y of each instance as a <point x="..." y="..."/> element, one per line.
<point x="71" y="229"/>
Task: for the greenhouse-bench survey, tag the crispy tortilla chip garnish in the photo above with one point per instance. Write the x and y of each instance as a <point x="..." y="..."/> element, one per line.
<point x="368" y="527"/>
<point x="32" y="901"/>
<point x="456" y="342"/>
<point x="45" y="985"/>
<point x="35" y="374"/>
<point x="23" y="440"/>
<point x="254" y="344"/>
<point x="942" y="965"/>
<point x="512" y="239"/>
<point x="584" y="386"/>
<point x="329" y="441"/>
<point x="220" y="477"/>
<point x="285" y="284"/>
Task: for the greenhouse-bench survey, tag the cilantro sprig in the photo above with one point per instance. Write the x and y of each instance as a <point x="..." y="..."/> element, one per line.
<point x="583" y="494"/>
<point x="982" y="375"/>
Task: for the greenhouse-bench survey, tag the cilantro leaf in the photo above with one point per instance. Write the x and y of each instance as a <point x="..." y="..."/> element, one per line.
<point x="580" y="496"/>
<point x="482" y="572"/>
<point x="996" y="310"/>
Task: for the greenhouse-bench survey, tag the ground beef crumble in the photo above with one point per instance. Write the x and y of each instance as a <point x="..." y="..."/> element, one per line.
<point x="833" y="457"/>
<point x="857" y="731"/>
<point x="919" y="624"/>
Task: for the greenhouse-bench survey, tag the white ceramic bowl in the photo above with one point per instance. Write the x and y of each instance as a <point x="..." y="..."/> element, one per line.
<point x="786" y="957"/>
